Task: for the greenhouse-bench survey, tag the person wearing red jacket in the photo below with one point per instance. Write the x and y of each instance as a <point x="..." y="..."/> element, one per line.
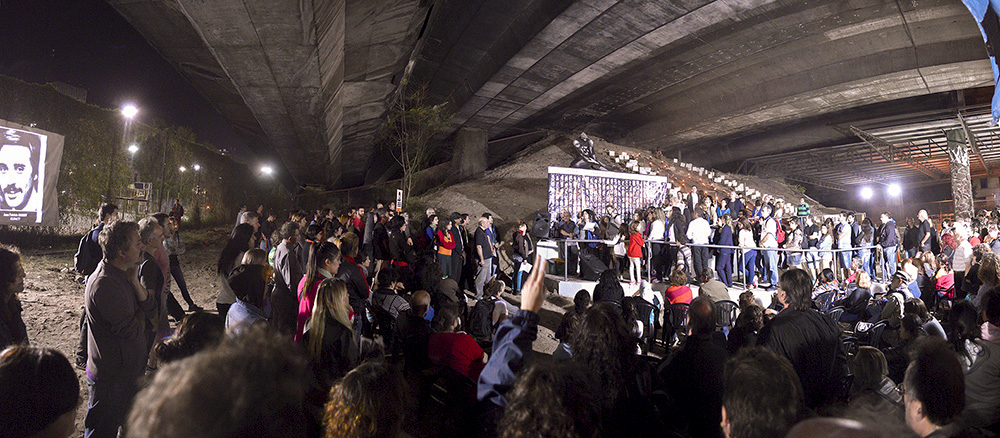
<point x="445" y="244"/>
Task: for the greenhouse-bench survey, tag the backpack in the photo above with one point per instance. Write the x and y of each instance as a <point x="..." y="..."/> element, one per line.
<point x="84" y="260"/>
<point x="779" y="234"/>
<point x="481" y="319"/>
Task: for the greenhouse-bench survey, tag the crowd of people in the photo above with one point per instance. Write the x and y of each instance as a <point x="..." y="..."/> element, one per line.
<point x="370" y="324"/>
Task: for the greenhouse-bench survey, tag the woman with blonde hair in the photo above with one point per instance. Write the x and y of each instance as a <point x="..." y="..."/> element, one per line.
<point x="249" y="283"/>
<point x="329" y="337"/>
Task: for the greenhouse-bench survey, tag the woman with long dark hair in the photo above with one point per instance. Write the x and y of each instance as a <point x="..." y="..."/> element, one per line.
<point x="358" y="287"/>
<point x="324" y="262"/>
<point x="239" y="242"/>
<point x="12" y="329"/>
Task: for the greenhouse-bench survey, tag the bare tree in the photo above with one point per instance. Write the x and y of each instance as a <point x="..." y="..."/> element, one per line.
<point x="411" y="124"/>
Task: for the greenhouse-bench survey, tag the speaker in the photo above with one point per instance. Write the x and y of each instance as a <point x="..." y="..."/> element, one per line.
<point x="540" y="228"/>
<point x="591" y="266"/>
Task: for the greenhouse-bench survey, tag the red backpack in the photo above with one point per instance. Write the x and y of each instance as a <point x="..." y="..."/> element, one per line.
<point x="779" y="234"/>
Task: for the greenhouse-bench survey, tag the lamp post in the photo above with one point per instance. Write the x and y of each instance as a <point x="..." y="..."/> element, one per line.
<point x="129" y="111"/>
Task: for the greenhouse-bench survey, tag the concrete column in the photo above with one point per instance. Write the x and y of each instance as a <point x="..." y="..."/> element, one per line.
<point x="961" y="181"/>
<point x="470" y="152"/>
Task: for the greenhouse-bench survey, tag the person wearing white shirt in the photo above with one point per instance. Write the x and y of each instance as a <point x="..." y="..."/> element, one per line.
<point x="768" y="239"/>
<point x="657" y="232"/>
<point x="746" y="242"/>
<point x="699" y="232"/>
<point x="961" y="261"/>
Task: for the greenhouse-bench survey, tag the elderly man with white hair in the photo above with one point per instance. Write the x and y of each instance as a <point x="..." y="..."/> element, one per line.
<point x="962" y="260"/>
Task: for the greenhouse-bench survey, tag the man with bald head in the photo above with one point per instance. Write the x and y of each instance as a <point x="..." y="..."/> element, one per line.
<point x="694" y="373"/>
<point x="412" y="332"/>
<point x="485" y="245"/>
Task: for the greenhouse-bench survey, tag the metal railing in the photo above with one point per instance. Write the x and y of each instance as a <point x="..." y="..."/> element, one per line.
<point x="739" y="261"/>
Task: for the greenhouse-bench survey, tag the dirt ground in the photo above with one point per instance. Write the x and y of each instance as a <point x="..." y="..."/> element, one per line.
<point x="53" y="298"/>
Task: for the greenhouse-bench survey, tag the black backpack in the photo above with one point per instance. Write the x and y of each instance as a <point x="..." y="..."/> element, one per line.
<point x="481" y="319"/>
<point x="88" y="255"/>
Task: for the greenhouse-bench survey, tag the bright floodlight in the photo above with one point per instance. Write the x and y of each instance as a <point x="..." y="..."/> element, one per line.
<point x="266" y="170"/>
<point x="133" y="148"/>
<point x="866" y="193"/>
<point x="894" y="190"/>
<point x="129" y="111"/>
<point x="197" y="167"/>
<point x="184" y="169"/>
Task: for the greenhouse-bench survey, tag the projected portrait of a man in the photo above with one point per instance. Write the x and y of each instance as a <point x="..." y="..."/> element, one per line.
<point x="19" y="170"/>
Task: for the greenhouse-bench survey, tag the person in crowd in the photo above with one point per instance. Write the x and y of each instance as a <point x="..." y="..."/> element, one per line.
<point x="991" y="316"/>
<point x="808" y="339"/>
<point x="826" y="282"/>
<point x="161" y="255"/>
<point x="313" y="234"/>
<point x="522" y="250"/>
<point x="239" y="242"/>
<point x="724" y="256"/>
<point x="924" y="232"/>
<point x="889" y="240"/>
<point x="286" y="260"/>
<point x="570" y="320"/>
<point x="678" y="292"/>
<point x="12" y="328"/>
<point x="324" y="262"/>
<point x="810" y="242"/>
<point x="931" y="325"/>
<point x="698" y="233"/>
<point x="944" y="278"/>
<point x="794" y="239"/>
<point x="461" y="236"/>
<point x="865" y="239"/>
<point x="329" y="337"/>
<point x="842" y="234"/>
<point x="445" y="247"/>
<point x="693" y="374"/>
<point x="826" y="242"/>
<point x="934" y="391"/>
<point x="41" y="393"/>
<point x="484" y="251"/>
<point x="855" y="304"/>
<point x="152" y="278"/>
<point x="249" y="283"/>
<point x="981" y="362"/>
<point x="659" y="252"/>
<point x="768" y="239"/>
<point x="117" y="307"/>
<point x="87" y="256"/>
<point x="871" y="376"/>
<point x="353" y="274"/>
<point x="608" y="289"/>
<point x="387" y="296"/>
<point x="712" y="288"/>
<point x="744" y="332"/>
<point x="747" y="243"/>
<point x="893" y="306"/>
<point x="197" y="332"/>
<point x="429" y="235"/>
<point x="678" y="253"/>
<point x="452" y="348"/>
<point x="761" y="395"/>
<point x="634" y="252"/>
<point x="175" y="248"/>
<point x="413" y="331"/>
<point x="961" y="260"/>
<point x="262" y="394"/>
<point x="367" y="402"/>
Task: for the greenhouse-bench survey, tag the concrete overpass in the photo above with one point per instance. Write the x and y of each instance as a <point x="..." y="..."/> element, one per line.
<point x="307" y="81"/>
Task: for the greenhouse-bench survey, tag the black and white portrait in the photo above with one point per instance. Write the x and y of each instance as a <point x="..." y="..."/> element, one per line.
<point x="22" y="175"/>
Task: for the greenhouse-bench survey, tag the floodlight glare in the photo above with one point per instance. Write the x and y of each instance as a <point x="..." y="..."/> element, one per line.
<point x="866" y="193"/>
<point x="197" y="167"/>
<point x="184" y="169"/>
<point x="133" y="148"/>
<point x="266" y="170"/>
<point x="129" y="111"/>
<point x="894" y="190"/>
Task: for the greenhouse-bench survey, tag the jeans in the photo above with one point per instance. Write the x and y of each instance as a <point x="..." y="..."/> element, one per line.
<point x="446" y="265"/>
<point x="175" y="271"/>
<point x="107" y="407"/>
<point x="890" y="262"/>
<point x="751" y="266"/>
<point x="483" y="276"/>
<point x="518" y="276"/>
<point x="701" y="257"/>
<point x="845" y="259"/>
<point x="771" y="258"/>
<point x="866" y="261"/>
<point x="724" y="267"/>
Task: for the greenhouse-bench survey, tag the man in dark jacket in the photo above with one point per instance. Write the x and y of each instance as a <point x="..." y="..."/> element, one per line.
<point x="107" y="215"/>
<point x="412" y="332"/>
<point x="888" y="239"/>
<point x="694" y="374"/>
<point x="809" y="339"/>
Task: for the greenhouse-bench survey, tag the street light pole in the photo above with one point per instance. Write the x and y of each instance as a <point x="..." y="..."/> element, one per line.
<point x="128" y="111"/>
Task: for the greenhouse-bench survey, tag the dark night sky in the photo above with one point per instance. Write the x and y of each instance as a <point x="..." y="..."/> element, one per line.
<point x="86" y="43"/>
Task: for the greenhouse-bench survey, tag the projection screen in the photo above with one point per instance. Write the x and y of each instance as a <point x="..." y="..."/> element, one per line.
<point x="29" y="171"/>
<point x="573" y="190"/>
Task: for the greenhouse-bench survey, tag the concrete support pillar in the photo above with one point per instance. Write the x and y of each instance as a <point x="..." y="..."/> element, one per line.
<point x="961" y="181"/>
<point x="470" y="152"/>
